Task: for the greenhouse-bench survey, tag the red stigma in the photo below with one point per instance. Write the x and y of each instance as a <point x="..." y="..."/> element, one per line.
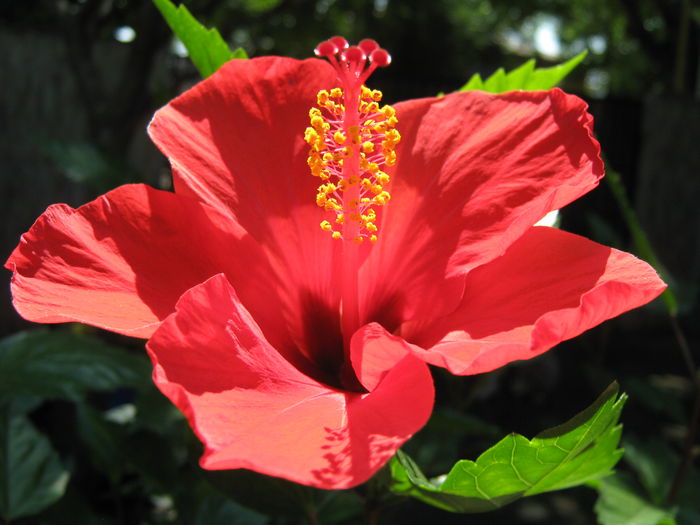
<point x="339" y="42"/>
<point x="380" y="57"/>
<point x="326" y="49"/>
<point x="350" y="62"/>
<point x="368" y="45"/>
<point x="355" y="55"/>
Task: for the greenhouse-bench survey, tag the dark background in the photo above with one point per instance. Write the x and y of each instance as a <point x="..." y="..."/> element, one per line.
<point x="75" y="101"/>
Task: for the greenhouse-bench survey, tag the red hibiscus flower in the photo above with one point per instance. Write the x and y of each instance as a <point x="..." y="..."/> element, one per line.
<point x="300" y="351"/>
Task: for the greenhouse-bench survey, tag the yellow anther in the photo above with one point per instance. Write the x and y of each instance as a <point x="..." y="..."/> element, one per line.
<point x="328" y="157"/>
<point x="367" y="146"/>
<point x="322" y="97"/>
<point x="371" y="227"/>
<point x="326" y="226"/>
<point x="382" y="198"/>
<point x="392" y="136"/>
<point x="336" y="235"/>
<point x="310" y="135"/>
<point x="376" y="189"/>
<point x="388" y="112"/>
<point x="340" y="219"/>
<point x="372" y="239"/>
<point x="317" y="123"/>
<point x="339" y="137"/>
<point x="336" y="93"/>
<point x="382" y="178"/>
<point x="390" y="158"/>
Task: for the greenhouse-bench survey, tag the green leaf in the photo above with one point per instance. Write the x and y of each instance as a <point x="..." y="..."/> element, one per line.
<point x="266" y="494"/>
<point x="239" y="53"/>
<point x="215" y="509"/>
<point x="74" y="508"/>
<point x="621" y="503"/>
<point x="580" y="450"/>
<point x="655" y="465"/>
<point x="31" y="474"/>
<point x="104" y="440"/>
<point x="85" y="163"/>
<point x="525" y="77"/>
<point x="208" y="51"/>
<point x="62" y="364"/>
<point x="643" y="500"/>
<point x="281" y="498"/>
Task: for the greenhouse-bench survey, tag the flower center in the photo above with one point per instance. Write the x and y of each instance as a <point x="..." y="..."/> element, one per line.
<point x="352" y="140"/>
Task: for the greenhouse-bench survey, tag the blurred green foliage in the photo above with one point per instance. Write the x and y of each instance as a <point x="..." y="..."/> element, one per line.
<point x="637" y="46"/>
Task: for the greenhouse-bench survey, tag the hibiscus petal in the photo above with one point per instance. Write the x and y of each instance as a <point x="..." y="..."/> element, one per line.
<point x="374" y="353"/>
<point x="474" y="172"/>
<point x="122" y="261"/>
<point x="236" y="142"/>
<point x="253" y="409"/>
<point x="548" y="287"/>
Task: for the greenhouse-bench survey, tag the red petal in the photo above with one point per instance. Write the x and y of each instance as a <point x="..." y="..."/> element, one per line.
<point x="122" y="261"/>
<point x="253" y="409"/>
<point x="374" y="353"/>
<point x="474" y="172"/>
<point x="236" y="142"/>
<point x="548" y="287"/>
